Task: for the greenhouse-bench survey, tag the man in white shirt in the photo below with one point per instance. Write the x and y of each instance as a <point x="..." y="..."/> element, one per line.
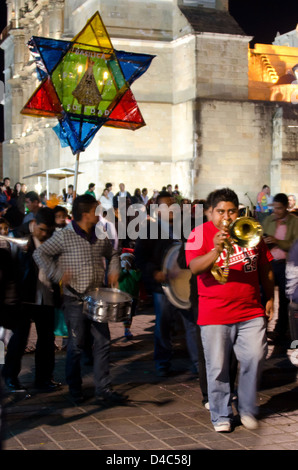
<point x="121" y="193"/>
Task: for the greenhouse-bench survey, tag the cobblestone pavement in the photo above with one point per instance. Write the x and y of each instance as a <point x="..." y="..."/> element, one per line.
<point x="162" y="413"/>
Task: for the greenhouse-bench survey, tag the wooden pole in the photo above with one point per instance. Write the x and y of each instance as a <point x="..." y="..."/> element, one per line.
<point x="47" y="183"/>
<point x="76" y="175"/>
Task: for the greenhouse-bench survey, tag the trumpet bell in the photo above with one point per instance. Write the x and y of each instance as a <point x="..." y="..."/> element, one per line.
<point x="246" y="232"/>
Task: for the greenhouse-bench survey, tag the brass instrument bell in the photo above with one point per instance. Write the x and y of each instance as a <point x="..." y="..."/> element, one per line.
<point x="245" y="232"/>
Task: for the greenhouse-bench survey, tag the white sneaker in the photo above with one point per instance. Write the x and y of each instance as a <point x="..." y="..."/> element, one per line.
<point x="249" y="422"/>
<point x="222" y="427"/>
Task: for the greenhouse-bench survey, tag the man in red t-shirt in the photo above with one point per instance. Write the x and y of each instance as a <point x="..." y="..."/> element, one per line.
<point x="231" y="314"/>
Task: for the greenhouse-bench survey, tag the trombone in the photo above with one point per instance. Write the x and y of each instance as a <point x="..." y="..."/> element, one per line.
<point x="245" y="232"/>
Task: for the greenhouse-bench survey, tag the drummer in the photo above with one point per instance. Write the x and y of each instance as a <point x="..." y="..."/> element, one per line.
<point x="74" y="256"/>
<point x="149" y="255"/>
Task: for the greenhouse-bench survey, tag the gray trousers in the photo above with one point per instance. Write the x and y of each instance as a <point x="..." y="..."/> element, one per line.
<point x="78" y="326"/>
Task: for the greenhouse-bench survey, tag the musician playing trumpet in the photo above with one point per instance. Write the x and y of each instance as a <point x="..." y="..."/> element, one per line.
<point x="231" y="315"/>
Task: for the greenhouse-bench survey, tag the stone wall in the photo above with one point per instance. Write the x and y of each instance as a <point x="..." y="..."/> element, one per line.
<point x="129" y="19"/>
<point x="234" y="147"/>
<point x="151" y="175"/>
<point x="222" y="66"/>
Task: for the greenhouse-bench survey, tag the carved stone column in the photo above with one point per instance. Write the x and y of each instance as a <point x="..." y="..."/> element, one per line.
<point x="45" y="21"/>
<point x="19" y="49"/>
<point x="11" y="161"/>
<point x="55" y="12"/>
<point x="16" y="106"/>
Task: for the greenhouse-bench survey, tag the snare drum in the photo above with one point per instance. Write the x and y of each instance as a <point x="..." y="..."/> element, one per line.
<point x="107" y="305"/>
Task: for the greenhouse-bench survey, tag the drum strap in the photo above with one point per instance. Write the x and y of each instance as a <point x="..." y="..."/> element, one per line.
<point x="74" y="292"/>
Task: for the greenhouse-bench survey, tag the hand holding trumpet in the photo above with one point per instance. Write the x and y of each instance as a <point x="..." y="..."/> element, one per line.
<point x="220" y="239"/>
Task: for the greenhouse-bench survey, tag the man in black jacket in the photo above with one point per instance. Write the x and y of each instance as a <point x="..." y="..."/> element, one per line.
<point x="9" y="314"/>
<point x="149" y="254"/>
<point x="38" y="298"/>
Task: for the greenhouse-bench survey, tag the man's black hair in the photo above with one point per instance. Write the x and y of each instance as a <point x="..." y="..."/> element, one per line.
<point x="81" y="205"/>
<point x="60" y="209"/>
<point x="282" y="198"/>
<point x="208" y="203"/>
<point x="162" y="195"/>
<point x="32" y="195"/>
<point x="224" y="194"/>
<point x="91" y="185"/>
<point x="46" y="216"/>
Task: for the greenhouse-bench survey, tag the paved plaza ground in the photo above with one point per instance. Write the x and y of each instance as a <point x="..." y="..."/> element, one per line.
<point x="163" y="414"/>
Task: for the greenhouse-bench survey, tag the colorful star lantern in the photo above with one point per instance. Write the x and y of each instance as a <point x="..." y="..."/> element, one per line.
<point x="85" y="84"/>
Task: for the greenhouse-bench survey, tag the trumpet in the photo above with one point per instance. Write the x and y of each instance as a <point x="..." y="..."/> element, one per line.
<point x="245" y="232"/>
<point x="17" y="241"/>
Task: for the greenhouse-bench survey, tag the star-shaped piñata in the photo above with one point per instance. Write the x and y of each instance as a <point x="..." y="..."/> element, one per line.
<point x="85" y="84"/>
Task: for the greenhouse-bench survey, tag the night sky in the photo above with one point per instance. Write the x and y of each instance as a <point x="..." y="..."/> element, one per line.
<point x="261" y="19"/>
<point x="264" y="18"/>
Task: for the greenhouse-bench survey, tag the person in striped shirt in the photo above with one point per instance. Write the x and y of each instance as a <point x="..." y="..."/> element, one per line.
<point x="75" y="257"/>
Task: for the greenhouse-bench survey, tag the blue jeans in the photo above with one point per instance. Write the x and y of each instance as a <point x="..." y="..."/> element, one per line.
<point x="248" y="339"/>
<point x="78" y="324"/>
<point x="164" y="315"/>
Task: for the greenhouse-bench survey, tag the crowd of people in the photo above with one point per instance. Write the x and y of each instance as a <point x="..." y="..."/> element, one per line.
<point x="62" y="257"/>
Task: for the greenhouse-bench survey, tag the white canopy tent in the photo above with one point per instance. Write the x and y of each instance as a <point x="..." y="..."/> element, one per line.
<point x="55" y="173"/>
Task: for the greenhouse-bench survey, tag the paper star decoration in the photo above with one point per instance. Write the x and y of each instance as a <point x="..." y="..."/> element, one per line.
<point x="85" y="84"/>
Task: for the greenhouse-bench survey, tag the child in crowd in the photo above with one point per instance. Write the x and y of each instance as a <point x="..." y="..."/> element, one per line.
<point x="129" y="281"/>
<point x="4" y="227"/>
<point x="5" y="231"/>
<point x="61" y="217"/>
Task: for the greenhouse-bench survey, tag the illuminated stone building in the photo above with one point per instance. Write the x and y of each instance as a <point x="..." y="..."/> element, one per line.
<point x="217" y="112"/>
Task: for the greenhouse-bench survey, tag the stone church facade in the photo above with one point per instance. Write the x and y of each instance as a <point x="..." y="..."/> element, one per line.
<point x="217" y="113"/>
